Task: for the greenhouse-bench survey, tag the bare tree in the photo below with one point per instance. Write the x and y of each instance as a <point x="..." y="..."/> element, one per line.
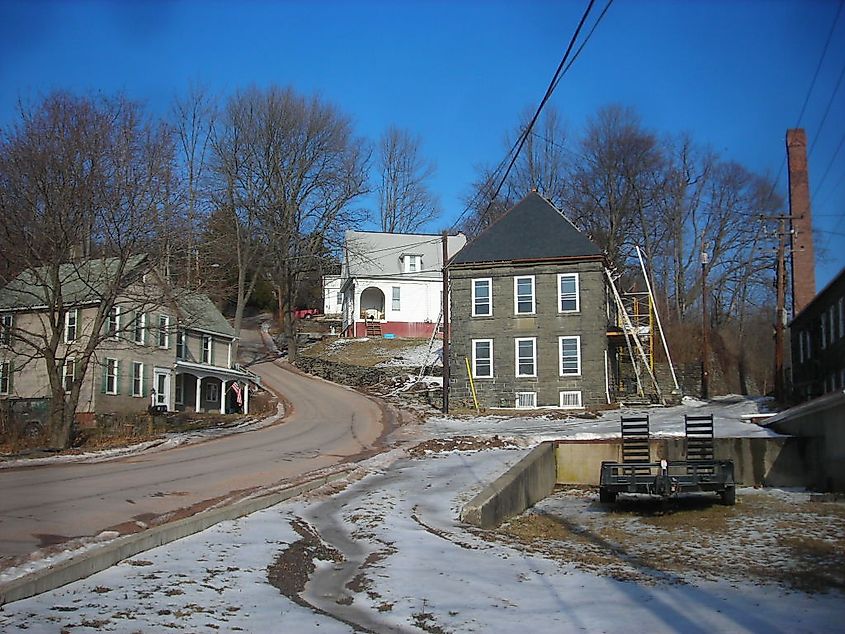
<point x="83" y="185"/>
<point x="406" y="202"/>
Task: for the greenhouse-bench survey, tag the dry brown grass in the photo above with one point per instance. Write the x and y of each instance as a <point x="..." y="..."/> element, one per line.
<point x="362" y="352"/>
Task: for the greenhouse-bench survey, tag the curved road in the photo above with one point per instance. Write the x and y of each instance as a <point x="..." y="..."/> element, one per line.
<point x="328" y="424"/>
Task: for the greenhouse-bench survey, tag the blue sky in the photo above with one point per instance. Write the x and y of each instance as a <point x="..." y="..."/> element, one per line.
<point x="734" y="74"/>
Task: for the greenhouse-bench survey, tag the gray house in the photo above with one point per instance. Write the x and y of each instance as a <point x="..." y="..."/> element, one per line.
<point x="529" y="314"/>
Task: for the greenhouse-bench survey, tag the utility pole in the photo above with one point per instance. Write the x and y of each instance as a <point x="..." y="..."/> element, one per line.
<point x="705" y="375"/>
<point x="780" y="311"/>
<point x="445" y="311"/>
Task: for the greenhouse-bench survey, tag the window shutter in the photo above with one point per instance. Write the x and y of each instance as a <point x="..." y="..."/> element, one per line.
<point x="117" y="376"/>
<point x="104" y="387"/>
<point x="11" y="377"/>
<point x="145" y="385"/>
<point x="148" y="320"/>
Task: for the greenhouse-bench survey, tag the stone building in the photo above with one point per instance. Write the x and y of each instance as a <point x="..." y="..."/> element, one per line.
<point x="529" y="313"/>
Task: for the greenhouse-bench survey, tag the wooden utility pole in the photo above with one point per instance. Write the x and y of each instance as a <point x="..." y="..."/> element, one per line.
<point x="780" y="311"/>
<point x="705" y="374"/>
<point x="445" y="311"/>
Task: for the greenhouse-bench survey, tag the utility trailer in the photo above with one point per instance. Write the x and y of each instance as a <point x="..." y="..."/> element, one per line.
<point x="637" y="473"/>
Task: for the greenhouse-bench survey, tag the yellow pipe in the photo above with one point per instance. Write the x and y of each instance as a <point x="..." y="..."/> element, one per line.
<point x="472" y="385"/>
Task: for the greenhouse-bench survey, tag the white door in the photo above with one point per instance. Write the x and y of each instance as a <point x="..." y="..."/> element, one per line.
<point x="161" y="382"/>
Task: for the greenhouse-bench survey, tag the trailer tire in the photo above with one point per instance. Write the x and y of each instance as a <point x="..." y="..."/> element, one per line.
<point x="606" y="497"/>
<point x="729" y="496"/>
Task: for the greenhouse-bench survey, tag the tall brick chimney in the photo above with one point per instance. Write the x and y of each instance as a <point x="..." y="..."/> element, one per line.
<point x="803" y="259"/>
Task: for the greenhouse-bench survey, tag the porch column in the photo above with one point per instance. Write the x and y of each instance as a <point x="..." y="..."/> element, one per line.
<point x="246" y="398"/>
<point x="223" y="396"/>
<point x="197" y="393"/>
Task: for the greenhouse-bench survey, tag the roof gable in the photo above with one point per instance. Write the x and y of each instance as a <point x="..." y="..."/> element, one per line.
<point x="376" y="254"/>
<point x="533" y="229"/>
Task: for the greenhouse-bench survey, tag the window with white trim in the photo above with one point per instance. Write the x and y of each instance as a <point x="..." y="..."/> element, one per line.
<point x="163" y="331"/>
<point x="523" y="295"/>
<point x="180" y="389"/>
<point x="113" y="322"/>
<point x="570" y="399"/>
<point x="526" y="356"/>
<point x="482" y="297"/>
<point x="212" y="391"/>
<point x="180" y="344"/>
<point x="831" y="314"/>
<point x="570" y="355"/>
<point x="137" y="378"/>
<point x="396" y="296"/>
<point x="5" y="377"/>
<point x="482" y="358"/>
<point x="139" y="325"/>
<point x="824" y="331"/>
<point x="112" y="366"/>
<point x="526" y="400"/>
<point x="568" y="296"/>
<point x="68" y="373"/>
<point x="6" y="323"/>
<point x="206" y="349"/>
<point x="412" y="263"/>
<point x="71" y="321"/>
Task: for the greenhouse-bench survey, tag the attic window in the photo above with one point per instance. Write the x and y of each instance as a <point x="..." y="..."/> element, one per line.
<point x="412" y="263"/>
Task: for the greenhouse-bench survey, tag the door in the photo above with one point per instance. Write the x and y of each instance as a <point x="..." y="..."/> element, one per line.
<point x="161" y="381"/>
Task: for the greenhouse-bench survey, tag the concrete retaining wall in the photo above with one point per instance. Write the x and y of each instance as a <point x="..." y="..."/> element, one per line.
<point x="784" y="462"/>
<point x="97" y="559"/>
<point x="520" y="487"/>
<point x="821" y="424"/>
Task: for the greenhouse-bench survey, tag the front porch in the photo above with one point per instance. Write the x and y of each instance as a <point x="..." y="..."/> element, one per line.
<point x="202" y="388"/>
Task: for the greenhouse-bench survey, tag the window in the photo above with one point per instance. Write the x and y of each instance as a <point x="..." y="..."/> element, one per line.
<point x="180" y="389"/>
<point x="163" y="331"/>
<point x="842" y="316"/>
<point x="802" y="353"/>
<point x="526" y="400"/>
<point x="110" y="380"/>
<point x="113" y="322"/>
<point x="824" y="331"/>
<point x="526" y="356"/>
<point x="831" y="313"/>
<point x="138" y="326"/>
<point x="5" y="377"/>
<point x="137" y="378"/>
<point x="396" y="298"/>
<point x="482" y="297"/>
<point x="180" y="344"/>
<point x="567" y="284"/>
<point x="570" y="355"/>
<point x="808" y="350"/>
<point x="71" y="320"/>
<point x="212" y="391"/>
<point x="206" y="349"/>
<point x="69" y="373"/>
<point x="339" y="299"/>
<point x="482" y="358"/>
<point x="6" y="321"/>
<point x="570" y="400"/>
<point x="412" y="263"/>
<point x="523" y="290"/>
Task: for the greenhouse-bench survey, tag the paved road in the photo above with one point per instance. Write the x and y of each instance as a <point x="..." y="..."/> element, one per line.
<point x="328" y="424"/>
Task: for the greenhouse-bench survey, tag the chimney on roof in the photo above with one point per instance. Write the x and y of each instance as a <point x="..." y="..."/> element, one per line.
<point x="803" y="258"/>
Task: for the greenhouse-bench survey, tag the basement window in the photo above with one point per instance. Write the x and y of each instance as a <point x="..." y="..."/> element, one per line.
<point x="526" y="400"/>
<point x="570" y="400"/>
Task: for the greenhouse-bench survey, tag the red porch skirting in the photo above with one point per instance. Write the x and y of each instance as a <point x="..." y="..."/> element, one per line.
<point x="409" y="329"/>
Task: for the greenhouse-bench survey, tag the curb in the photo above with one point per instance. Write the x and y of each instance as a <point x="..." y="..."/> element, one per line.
<point x="99" y="559"/>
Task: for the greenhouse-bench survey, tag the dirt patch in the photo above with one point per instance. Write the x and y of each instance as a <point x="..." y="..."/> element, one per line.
<point x="459" y="443"/>
<point x="361" y="352"/>
<point x="293" y="567"/>
<point x="793" y="541"/>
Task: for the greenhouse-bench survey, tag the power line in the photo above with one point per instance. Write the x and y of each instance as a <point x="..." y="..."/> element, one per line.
<point x="552" y="84"/>
<point x="827" y="109"/>
<point x="819" y="65"/>
<point x="830" y="163"/>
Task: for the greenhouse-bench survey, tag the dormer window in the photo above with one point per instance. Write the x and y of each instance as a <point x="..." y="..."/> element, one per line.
<point x="411" y="263"/>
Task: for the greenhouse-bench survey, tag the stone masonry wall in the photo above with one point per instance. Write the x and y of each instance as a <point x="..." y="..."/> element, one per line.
<point x="547" y="324"/>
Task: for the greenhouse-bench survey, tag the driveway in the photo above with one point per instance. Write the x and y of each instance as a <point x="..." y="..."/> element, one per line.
<point x="325" y="424"/>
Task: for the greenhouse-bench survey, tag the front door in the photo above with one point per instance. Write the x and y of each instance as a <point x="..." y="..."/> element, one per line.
<point x="161" y="381"/>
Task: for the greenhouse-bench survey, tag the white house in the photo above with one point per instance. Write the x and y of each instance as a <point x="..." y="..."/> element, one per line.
<point x="392" y="282"/>
<point x="332" y="297"/>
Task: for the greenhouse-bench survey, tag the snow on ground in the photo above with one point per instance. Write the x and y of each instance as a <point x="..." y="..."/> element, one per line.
<point x="406" y="564"/>
<point x="417" y="356"/>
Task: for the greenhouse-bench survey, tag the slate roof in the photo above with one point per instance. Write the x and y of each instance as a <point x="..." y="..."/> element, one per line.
<point x="533" y="229"/>
<point x="376" y="254"/>
<point x="81" y="282"/>
<point x="199" y="312"/>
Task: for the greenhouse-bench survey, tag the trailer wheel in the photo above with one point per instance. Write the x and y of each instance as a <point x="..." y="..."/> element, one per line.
<point x="729" y="496"/>
<point x="606" y="497"/>
<point x="32" y="429"/>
